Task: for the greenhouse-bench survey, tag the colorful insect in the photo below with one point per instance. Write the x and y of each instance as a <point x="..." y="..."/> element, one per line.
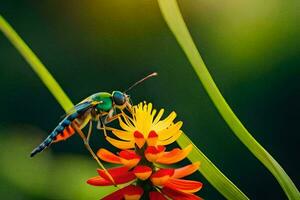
<point x="100" y="107"/>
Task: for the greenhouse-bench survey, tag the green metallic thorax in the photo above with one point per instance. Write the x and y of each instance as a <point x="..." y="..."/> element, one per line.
<point x="105" y="97"/>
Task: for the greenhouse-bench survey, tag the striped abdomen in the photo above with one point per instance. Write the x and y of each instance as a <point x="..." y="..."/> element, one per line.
<point x="61" y="132"/>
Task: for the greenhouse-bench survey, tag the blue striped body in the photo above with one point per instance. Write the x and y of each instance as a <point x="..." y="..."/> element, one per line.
<point x="66" y="122"/>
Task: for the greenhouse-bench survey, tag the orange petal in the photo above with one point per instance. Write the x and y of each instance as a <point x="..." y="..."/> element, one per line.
<point x="99" y="181"/>
<point x="161" y="176"/>
<point x="184" y="185"/>
<point x="119" y="174"/>
<point x="156" y="196"/>
<point x="152" y="138"/>
<point x="120" y="144"/>
<point x="174" y="156"/>
<point x="185" y="171"/>
<point x="130" y="163"/>
<point x="142" y="172"/>
<point x="108" y="156"/>
<point x="178" y="195"/>
<point x="128" y="154"/>
<point x="152" y="152"/>
<point x="129" y="192"/>
<point x="115" y="171"/>
<point x="117" y="195"/>
<point x="129" y="158"/>
<point x="139" y="139"/>
<point x="133" y="192"/>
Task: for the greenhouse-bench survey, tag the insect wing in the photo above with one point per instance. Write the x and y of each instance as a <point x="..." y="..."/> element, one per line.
<point x="79" y="110"/>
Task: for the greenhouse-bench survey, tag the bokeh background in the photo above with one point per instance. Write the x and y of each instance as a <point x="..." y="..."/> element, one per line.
<point x="251" y="48"/>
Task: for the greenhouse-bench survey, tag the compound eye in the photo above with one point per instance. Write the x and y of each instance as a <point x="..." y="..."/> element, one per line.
<point x="119" y="98"/>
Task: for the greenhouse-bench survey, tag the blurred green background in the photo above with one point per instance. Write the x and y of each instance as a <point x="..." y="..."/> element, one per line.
<point x="251" y="48"/>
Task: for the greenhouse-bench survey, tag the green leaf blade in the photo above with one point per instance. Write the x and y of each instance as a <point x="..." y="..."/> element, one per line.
<point x="211" y="172"/>
<point x="174" y="20"/>
<point x="36" y="64"/>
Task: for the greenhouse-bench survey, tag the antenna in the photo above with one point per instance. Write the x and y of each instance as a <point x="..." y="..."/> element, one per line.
<point x="140" y="81"/>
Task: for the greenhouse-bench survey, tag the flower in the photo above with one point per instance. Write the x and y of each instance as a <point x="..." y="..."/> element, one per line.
<point x="146" y="128"/>
<point x="142" y="142"/>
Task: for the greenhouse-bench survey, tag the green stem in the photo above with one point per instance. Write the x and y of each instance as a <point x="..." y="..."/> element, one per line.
<point x="211" y="172"/>
<point x="174" y="19"/>
<point x="36" y="65"/>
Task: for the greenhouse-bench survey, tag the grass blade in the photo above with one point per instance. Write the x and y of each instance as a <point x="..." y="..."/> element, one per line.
<point x="36" y="65"/>
<point x="211" y="172"/>
<point x="173" y="17"/>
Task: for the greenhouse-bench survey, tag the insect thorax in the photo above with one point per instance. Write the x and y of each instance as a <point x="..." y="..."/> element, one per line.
<point x="106" y="100"/>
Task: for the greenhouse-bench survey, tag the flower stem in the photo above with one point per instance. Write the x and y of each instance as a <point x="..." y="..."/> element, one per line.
<point x="174" y="19"/>
<point x="36" y="65"/>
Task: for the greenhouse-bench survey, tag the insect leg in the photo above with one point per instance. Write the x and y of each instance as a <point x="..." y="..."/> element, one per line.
<point x="101" y="126"/>
<point x="129" y="107"/>
<point x="90" y="131"/>
<point x="78" y="130"/>
<point x="111" y="116"/>
<point x="125" y="115"/>
<point x="108" y="118"/>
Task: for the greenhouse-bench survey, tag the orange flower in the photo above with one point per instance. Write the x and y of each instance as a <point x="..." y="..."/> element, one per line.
<point x="142" y="142"/>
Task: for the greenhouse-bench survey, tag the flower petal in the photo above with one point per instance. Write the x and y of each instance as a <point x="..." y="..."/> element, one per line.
<point x="178" y="195"/>
<point x="120" y="144"/>
<point x="128" y="154"/>
<point x="99" y="181"/>
<point x="152" y="138"/>
<point x="158" y="116"/>
<point x="160" y="177"/>
<point x="129" y="158"/>
<point x="139" y="139"/>
<point x="153" y="114"/>
<point x="108" y="156"/>
<point x="174" y="156"/>
<point x="132" y="192"/>
<point x="117" y="195"/>
<point x="130" y="163"/>
<point x="152" y="153"/>
<point x="115" y="172"/>
<point x="125" y="126"/>
<point x="143" y="119"/>
<point x="142" y="172"/>
<point x="119" y="174"/>
<point x="170" y="131"/>
<point x="184" y="185"/>
<point x="123" y="135"/>
<point x="156" y="196"/>
<point x="127" y="120"/>
<point x="185" y="171"/>
<point x="129" y="192"/>
<point x="163" y="124"/>
<point x="171" y="139"/>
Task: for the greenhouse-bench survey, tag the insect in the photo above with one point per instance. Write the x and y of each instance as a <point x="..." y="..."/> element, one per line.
<point x="100" y="107"/>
